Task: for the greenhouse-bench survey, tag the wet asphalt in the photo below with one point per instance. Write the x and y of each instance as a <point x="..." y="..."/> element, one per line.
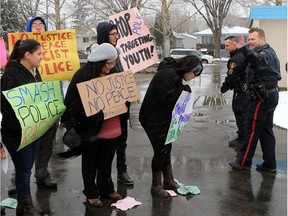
<point x="200" y="158"/>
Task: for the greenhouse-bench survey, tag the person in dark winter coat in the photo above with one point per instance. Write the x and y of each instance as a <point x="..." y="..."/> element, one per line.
<point x="236" y="81"/>
<point x="156" y="114"/>
<point x="20" y="69"/>
<point x="108" y="33"/>
<point x="43" y="177"/>
<point x="97" y="152"/>
<point x="263" y="76"/>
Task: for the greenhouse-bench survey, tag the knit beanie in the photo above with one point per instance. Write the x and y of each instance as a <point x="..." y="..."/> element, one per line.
<point x="102" y="52"/>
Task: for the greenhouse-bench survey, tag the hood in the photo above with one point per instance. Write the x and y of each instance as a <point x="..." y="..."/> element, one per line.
<point x="28" y="27"/>
<point x="103" y="30"/>
<point x="168" y="62"/>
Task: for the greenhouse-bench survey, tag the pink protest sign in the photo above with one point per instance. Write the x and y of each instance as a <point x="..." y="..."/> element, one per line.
<point x="3" y="54"/>
<point x="137" y="50"/>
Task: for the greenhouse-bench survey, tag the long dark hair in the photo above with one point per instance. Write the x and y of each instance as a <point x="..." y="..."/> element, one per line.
<point x="21" y="47"/>
<point x="94" y="68"/>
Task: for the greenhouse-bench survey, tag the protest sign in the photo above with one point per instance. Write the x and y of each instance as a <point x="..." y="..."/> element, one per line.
<point x="181" y="114"/>
<point x="108" y="93"/>
<point x="37" y="107"/>
<point x="60" y="56"/>
<point x="3" y="54"/>
<point x="135" y="43"/>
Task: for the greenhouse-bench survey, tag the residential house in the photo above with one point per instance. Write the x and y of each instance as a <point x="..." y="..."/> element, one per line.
<point x="273" y="20"/>
<point x="183" y="40"/>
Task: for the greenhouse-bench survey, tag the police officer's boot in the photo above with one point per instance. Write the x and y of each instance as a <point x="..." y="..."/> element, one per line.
<point x="25" y="206"/>
<point x="156" y="187"/>
<point x="169" y="183"/>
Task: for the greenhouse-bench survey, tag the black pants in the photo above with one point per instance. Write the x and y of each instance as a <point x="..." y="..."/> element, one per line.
<point x="121" y="148"/>
<point x="239" y="106"/>
<point x="260" y="127"/>
<point x="96" y="166"/>
<point x="162" y="153"/>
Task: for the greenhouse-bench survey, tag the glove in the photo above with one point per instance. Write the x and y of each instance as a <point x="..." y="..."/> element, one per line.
<point x="187" y="88"/>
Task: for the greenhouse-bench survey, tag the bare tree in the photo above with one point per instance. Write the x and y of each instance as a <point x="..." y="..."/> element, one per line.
<point x="214" y="13"/>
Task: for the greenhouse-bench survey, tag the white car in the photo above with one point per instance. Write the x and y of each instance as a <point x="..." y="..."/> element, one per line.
<point x="179" y="53"/>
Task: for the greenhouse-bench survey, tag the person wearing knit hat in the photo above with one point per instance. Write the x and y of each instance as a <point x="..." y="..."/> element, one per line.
<point x="108" y="33"/>
<point x="97" y="152"/>
<point x="156" y="113"/>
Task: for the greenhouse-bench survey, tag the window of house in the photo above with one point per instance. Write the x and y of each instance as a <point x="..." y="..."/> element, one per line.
<point x="85" y="40"/>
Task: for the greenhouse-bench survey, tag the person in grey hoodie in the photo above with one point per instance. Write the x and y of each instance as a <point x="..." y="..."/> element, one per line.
<point x="108" y="33"/>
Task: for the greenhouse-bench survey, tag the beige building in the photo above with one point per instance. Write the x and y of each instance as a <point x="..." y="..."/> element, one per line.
<point x="273" y="20"/>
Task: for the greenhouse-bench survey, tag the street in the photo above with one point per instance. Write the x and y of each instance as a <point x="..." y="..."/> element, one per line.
<point x="200" y="158"/>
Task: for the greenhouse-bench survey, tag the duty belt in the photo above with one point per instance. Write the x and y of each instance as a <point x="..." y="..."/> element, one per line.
<point x="269" y="91"/>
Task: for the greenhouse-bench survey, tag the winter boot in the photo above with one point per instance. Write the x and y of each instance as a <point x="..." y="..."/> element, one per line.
<point x="25" y="206"/>
<point x="156" y="187"/>
<point x="169" y="183"/>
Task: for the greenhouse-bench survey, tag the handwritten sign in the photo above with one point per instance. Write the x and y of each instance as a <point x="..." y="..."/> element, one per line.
<point x="135" y="43"/>
<point x="60" y="56"/>
<point x="3" y="54"/>
<point x="108" y="93"/>
<point x="37" y="107"/>
<point x="181" y="114"/>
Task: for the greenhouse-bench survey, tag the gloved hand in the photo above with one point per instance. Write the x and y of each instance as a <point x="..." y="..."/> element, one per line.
<point x="187" y="88"/>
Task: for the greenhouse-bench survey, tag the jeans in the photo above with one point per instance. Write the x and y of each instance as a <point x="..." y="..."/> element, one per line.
<point x="44" y="154"/>
<point x="23" y="161"/>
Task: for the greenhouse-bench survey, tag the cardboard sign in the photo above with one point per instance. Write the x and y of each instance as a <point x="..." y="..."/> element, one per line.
<point x="60" y="56"/>
<point x="37" y="107"/>
<point x="181" y="114"/>
<point x="108" y="93"/>
<point x="137" y="50"/>
<point x="3" y="54"/>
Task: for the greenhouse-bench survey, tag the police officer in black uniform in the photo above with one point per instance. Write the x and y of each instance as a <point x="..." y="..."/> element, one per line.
<point x="263" y="76"/>
<point x="236" y="81"/>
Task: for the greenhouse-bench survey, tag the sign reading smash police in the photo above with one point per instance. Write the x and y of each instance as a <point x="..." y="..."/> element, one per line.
<point x="60" y="56"/>
<point x="108" y="93"/>
<point x="135" y="43"/>
<point x="181" y="114"/>
<point x="37" y="107"/>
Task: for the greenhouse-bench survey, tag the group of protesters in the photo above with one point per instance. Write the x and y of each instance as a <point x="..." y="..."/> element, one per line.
<point x="101" y="138"/>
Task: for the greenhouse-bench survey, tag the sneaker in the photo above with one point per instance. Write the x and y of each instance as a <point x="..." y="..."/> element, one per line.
<point x="261" y="167"/>
<point x="125" y="179"/>
<point x="237" y="166"/>
<point x="234" y="143"/>
<point x="12" y="187"/>
<point x="47" y="182"/>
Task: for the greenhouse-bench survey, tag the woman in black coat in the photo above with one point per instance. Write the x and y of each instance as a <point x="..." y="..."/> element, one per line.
<point x="156" y="114"/>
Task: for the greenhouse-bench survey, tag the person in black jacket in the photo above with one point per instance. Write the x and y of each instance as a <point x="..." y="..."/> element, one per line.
<point x="20" y="69"/>
<point x="108" y="33"/>
<point x="97" y="152"/>
<point x="263" y="77"/>
<point x="236" y="81"/>
<point x="156" y="114"/>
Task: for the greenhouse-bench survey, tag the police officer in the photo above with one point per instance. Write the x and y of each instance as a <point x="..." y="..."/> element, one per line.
<point x="236" y="80"/>
<point x="263" y="76"/>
